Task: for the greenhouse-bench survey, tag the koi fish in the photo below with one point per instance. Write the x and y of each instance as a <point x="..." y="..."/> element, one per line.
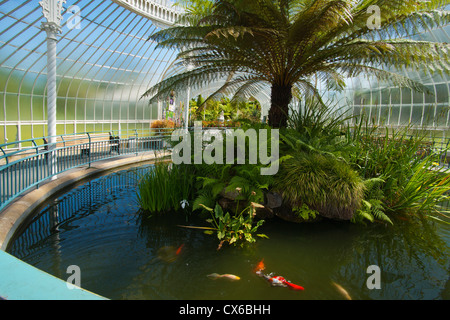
<point x="169" y="253"/>
<point x="216" y="276"/>
<point x="275" y="280"/>
<point x="259" y="267"/>
<point x="282" y="282"/>
<point x="342" y="291"/>
<point x="179" y="249"/>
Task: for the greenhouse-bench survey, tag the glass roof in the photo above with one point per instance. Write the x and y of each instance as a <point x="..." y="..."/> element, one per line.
<point x="104" y="64"/>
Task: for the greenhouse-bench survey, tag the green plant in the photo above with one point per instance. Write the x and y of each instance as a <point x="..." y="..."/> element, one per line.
<point x="371" y="210"/>
<point x="305" y="212"/>
<point x="408" y="181"/>
<point x="234" y="229"/>
<point x="164" y="187"/>
<point x="215" y="180"/>
<point x="253" y="44"/>
<point x="313" y="118"/>
<point x="322" y="182"/>
<point x="423" y="191"/>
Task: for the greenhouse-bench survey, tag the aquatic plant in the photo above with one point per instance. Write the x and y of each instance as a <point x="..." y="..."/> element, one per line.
<point x="164" y="187"/>
<point x="410" y="182"/>
<point x="236" y="229"/>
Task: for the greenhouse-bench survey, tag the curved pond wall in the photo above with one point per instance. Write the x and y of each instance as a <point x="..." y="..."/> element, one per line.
<point x="22" y="281"/>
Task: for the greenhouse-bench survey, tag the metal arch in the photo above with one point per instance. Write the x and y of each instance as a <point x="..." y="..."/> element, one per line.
<point x="149" y="63"/>
<point x="12" y="71"/>
<point x="84" y="76"/>
<point x="74" y="63"/>
<point x="123" y="74"/>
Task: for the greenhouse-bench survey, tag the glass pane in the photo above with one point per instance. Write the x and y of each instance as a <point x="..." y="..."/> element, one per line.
<point x="395" y="96"/>
<point x="406" y="95"/>
<point x="442" y="113"/>
<point x="38" y="131"/>
<point x="26" y="133"/>
<point x="38" y="108"/>
<point x="417" y="97"/>
<point x="90" y="109"/>
<point x="2" y="109"/>
<point x="25" y="108"/>
<point x="417" y="115"/>
<point x="70" y="109"/>
<point x="428" y="117"/>
<point x="11" y="107"/>
<point x="395" y="112"/>
<point x="442" y="93"/>
<point x="405" y="113"/>
<point x="430" y="97"/>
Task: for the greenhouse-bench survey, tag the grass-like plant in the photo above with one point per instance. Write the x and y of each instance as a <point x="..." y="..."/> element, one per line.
<point x="324" y="183"/>
<point x="165" y="187"/>
<point x="410" y="182"/>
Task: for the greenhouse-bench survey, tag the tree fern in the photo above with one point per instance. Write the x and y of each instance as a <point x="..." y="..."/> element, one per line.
<point x="279" y="46"/>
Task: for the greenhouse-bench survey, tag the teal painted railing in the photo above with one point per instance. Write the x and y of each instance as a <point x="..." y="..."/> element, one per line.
<point x="26" y="164"/>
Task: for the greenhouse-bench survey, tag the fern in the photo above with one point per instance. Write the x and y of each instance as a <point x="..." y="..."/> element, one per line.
<point x="371" y="210"/>
<point x="205" y="198"/>
<point x="305" y="212"/>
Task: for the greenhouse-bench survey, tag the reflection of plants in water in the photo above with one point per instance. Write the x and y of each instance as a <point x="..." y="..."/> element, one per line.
<point x="413" y="258"/>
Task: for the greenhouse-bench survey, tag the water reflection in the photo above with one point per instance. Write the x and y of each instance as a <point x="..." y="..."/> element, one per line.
<point x="125" y="254"/>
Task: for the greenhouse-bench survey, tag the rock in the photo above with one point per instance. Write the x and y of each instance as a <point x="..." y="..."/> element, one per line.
<point x="231" y="195"/>
<point x="264" y="213"/>
<point x="273" y="200"/>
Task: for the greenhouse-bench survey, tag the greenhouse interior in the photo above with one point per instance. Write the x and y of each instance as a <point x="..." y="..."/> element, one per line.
<point x="350" y="98"/>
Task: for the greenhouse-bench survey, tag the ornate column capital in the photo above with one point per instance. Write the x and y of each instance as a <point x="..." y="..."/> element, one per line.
<point x="51" y="28"/>
<point x="52" y="10"/>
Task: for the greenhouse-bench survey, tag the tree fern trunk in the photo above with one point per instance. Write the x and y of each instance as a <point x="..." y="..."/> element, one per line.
<point x="281" y="96"/>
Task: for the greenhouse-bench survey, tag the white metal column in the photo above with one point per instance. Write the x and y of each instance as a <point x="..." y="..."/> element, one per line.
<point x="52" y="12"/>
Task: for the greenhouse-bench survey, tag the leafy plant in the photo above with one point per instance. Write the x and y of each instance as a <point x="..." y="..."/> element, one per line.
<point x="235" y="229"/>
<point x="213" y="180"/>
<point x="305" y="212"/>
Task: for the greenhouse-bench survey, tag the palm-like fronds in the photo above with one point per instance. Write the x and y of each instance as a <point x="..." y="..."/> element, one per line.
<point x="282" y="44"/>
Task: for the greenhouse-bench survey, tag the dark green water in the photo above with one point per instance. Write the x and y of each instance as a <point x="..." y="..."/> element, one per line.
<point x="99" y="227"/>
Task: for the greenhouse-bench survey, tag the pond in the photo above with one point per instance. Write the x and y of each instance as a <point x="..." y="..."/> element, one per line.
<point x="123" y="253"/>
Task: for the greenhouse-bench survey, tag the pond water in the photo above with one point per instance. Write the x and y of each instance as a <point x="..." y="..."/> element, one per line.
<point x="125" y="254"/>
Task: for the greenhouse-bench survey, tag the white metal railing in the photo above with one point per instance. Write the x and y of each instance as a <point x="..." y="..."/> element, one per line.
<point x="163" y="12"/>
<point x="38" y="160"/>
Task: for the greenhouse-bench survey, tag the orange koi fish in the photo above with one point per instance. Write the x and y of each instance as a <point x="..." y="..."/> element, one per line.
<point x="259" y="267"/>
<point x="179" y="249"/>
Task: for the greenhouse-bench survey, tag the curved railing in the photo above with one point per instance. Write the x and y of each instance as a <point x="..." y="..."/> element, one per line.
<point x="160" y="11"/>
<point x="26" y="164"/>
